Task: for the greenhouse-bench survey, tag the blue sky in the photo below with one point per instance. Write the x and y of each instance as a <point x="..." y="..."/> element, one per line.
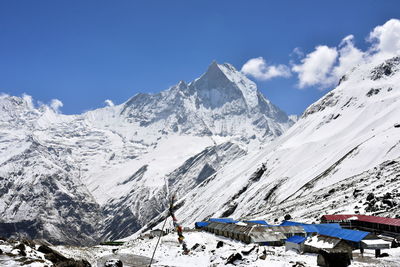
<point x="84" y="52"/>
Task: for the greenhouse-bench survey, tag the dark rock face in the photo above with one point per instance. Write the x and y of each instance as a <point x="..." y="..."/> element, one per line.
<point x="328" y="101"/>
<point x="231" y="209"/>
<point x="206" y="172"/>
<point x="28" y="228"/>
<point x="52" y="196"/>
<point x="138" y="175"/>
<point x="388" y="68"/>
<point x="121" y="222"/>
<point x="373" y="91"/>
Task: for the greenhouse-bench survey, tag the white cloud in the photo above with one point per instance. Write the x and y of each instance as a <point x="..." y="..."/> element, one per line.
<point x="56" y="104"/>
<point x="385" y="40"/>
<point x="109" y="103"/>
<point x="297" y="52"/>
<point x="316" y="67"/>
<point x="260" y="70"/>
<point x="349" y="57"/>
<point x="325" y="65"/>
<point x="28" y="100"/>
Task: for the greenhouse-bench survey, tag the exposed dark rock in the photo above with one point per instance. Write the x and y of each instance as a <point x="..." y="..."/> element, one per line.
<point x="229" y="211"/>
<point x="388" y="202"/>
<point x="271" y="192"/>
<point x="327" y="101"/>
<point x="220" y="244"/>
<point x="373" y="91"/>
<point x="382" y="255"/>
<point x="205" y="172"/>
<point x="388" y="68"/>
<point x="342" y="79"/>
<point x="258" y="174"/>
<point x="198" y="247"/>
<point x="138" y="175"/>
<point x="249" y="251"/>
<point x="28" y="242"/>
<point x="370" y="196"/>
<point x="387" y="196"/>
<point x="60" y="260"/>
<point x="287" y="217"/>
<point x="22" y="249"/>
<point x="264" y="255"/>
<point x="234" y="257"/>
<point x="45" y="249"/>
<point x="55" y="257"/>
<point x="356" y="192"/>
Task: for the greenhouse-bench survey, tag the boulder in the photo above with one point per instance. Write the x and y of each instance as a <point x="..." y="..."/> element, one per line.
<point x="45" y="249"/>
<point x="60" y="260"/>
<point x="387" y="196"/>
<point x="234" y="257"/>
<point x="28" y="242"/>
<point x="370" y="196"/>
<point x="22" y="249"/>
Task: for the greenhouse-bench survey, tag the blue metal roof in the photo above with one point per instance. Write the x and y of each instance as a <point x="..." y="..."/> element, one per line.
<point x="257" y="221"/>
<point x="296" y="239"/>
<point x="201" y="224"/>
<point x="290" y="223"/>
<point x="223" y="220"/>
<point x="310" y="228"/>
<point x="334" y="225"/>
<point x="313" y="228"/>
<point x="345" y="234"/>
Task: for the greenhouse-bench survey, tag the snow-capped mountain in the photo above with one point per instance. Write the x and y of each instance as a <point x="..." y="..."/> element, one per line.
<point x="107" y="172"/>
<point x="344" y="147"/>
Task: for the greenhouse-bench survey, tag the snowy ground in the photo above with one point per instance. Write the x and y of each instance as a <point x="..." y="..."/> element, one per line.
<point x="169" y="253"/>
<point x="136" y="253"/>
<point x="10" y="255"/>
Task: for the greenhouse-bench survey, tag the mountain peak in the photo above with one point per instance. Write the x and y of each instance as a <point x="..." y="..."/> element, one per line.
<point x="213" y="72"/>
<point x="223" y="82"/>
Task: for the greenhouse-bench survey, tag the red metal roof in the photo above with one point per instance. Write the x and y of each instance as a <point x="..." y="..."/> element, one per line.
<point x="362" y="218"/>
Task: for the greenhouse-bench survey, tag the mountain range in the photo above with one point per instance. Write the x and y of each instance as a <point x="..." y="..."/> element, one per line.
<point x="216" y="142"/>
<point x="104" y="174"/>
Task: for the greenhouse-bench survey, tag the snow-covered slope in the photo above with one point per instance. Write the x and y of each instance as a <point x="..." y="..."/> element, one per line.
<point x="104" y="173"/>
<point x="351" y="134"/>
